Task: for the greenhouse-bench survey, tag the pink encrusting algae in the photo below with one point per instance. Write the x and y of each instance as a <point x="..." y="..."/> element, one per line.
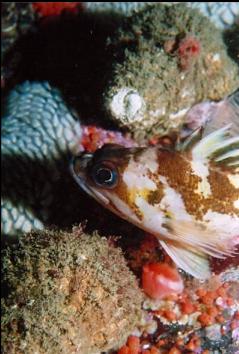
<point x="186" y="49"/>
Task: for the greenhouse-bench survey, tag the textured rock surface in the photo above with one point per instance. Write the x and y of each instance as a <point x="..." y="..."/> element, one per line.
<point x="221" y="13"/>
<point x="38" y="137"/>
<point x="148" y="85"/>
<point x="66" y="293"/>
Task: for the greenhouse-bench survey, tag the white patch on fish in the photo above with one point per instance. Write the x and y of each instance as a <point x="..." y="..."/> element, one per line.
<point x="150" y="159"/>
<point x="224" y="224"/>
<point x="174" y="204"/>
<point x="153" y="217"/>
<point x="135" y="176"/>
<point x="138" y="182"/>
<point x="201" y="170"/>
<point x="236" y="204"/>
<point x="234" y="179"/>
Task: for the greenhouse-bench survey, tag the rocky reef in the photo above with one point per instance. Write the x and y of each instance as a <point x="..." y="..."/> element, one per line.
<point x="77" y="76"/>
<point x="167" y="58"/>
<point x="66" y="292"/>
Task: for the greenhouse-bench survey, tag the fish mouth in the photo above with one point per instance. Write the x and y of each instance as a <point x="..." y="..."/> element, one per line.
<point x="77" y="169"/>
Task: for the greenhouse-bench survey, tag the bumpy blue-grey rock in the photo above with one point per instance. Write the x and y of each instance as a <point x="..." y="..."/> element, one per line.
<point x="39" y="134"/>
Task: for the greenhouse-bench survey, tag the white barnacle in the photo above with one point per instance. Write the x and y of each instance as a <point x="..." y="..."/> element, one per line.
<point x="216" y="57"/>
<point x="127" y="105"/>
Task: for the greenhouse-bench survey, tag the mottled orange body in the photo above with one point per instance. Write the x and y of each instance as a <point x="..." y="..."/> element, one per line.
<point x="187" y="198"/>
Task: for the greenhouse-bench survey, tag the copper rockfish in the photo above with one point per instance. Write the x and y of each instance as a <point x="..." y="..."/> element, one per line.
<point x="187" y="197"/>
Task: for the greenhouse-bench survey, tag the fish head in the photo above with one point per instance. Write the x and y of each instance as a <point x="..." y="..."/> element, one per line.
<point x="100" y="174"/>
<point x="118" y="177"/>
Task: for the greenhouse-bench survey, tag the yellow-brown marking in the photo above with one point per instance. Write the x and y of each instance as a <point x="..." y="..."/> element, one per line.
<point x="224" y="194"/>
<point x="128" y="195"/>
<point x="179" y="174"/>
<point x="123" y="192"/>
<point x="155" y="197"/>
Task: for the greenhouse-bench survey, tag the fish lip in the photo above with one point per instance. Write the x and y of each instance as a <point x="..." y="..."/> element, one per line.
<point x="81" y="182"/>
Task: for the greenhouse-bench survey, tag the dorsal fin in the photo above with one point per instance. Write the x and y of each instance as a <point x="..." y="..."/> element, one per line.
<point x="190" y="141"/>
<point x="218" y="146"/>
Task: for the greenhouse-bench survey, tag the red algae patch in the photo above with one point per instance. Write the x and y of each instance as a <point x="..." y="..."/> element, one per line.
<point x="188" y="51"/>
<point x="55" y="8"/>
<point x="160" y="280"/>
<point x="94" y="138"/>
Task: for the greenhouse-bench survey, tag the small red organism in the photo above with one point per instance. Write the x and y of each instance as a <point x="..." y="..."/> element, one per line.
<point x="167" y="141"/>
<point x="189" y="49"/>
<point x="94" y="138"/>
<point x="170" y="315"/>
<point x="132" y="346"/>
<point x="205" y="320"/>
<point x="160" y="280"/>
<point x="187" y="307"/>
<point x="133" y="343"/>
<point x="55" y="8"/>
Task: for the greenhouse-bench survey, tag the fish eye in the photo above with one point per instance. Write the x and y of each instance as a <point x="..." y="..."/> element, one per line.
<point x="105" y="175"/>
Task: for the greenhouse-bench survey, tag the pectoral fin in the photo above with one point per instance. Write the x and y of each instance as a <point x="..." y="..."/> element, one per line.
<point x="194" y="263"/>
<point x="194" y="235"/>
<point x="206" y="241"/>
